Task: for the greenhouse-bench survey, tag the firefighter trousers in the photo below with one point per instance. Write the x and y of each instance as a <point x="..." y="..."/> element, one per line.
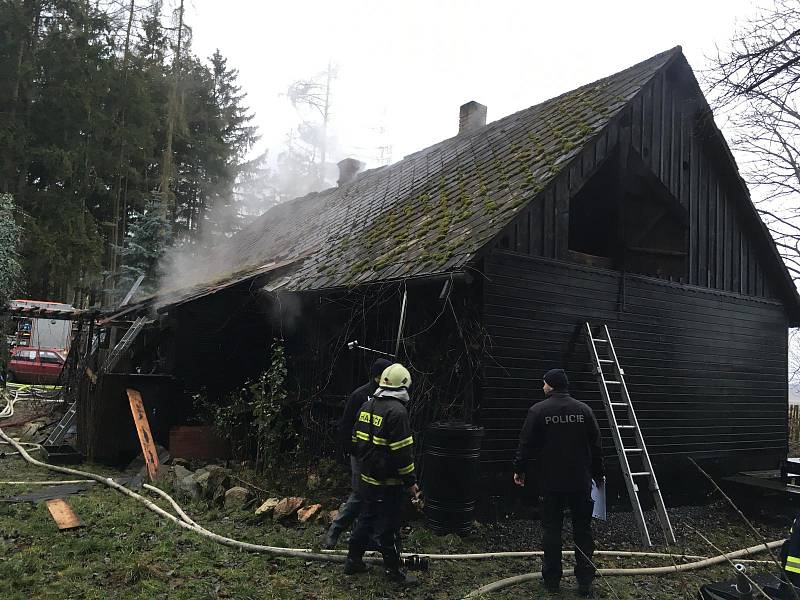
<point x="379" y="520"/>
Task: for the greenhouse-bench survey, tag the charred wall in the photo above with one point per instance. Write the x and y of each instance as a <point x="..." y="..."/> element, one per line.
<point x="707" y="370"/>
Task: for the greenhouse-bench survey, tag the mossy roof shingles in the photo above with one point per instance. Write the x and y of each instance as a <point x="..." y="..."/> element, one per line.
<point x="432" y="211"/>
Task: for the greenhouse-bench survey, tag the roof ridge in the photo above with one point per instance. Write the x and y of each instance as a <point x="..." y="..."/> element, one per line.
<point x="674" y="51"/>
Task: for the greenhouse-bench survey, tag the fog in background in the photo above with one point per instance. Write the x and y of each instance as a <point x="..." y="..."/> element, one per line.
<point x="404" y="68"/>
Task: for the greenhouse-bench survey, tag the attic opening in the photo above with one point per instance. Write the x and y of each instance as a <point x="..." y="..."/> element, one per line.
<point x="593" y="218"/>
<point x="624" y="218"/>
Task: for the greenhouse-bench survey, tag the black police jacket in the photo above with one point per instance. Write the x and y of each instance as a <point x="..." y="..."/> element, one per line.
<point x="344" y="429"/>
<point x="562" y="434"/>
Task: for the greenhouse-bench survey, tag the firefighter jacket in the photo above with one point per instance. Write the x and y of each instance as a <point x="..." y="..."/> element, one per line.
<point x="562" y="434"/>
<point x="384" y="444"/>
<point x="790" y="554"/>
<point x="344" y="430"/>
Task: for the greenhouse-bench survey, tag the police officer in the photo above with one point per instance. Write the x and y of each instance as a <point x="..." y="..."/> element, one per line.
<point x="385" y="448"/>
<point x="349" y="512"/>
<point x="562" y="434"/>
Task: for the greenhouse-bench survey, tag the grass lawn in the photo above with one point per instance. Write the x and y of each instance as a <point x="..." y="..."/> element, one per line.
<point x="126" y="551"/>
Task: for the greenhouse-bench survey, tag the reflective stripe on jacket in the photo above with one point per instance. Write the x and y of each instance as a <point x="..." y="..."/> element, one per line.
<point x="790" y="553"/>
<point x="384" y="443"/>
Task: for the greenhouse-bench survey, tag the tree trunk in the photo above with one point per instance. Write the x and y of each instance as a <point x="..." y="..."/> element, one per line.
<point x="21" y="95"/>
<point x="172" y="110"/>
<point x="118" y="230"/>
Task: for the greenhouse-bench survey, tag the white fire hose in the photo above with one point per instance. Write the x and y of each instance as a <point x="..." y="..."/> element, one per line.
<point x="337" y="556"/>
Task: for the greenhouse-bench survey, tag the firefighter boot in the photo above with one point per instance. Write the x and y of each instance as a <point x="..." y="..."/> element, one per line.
<point x="351" y="567"/>
<point x="397" y="576"/>
<point x="331" y="539"/>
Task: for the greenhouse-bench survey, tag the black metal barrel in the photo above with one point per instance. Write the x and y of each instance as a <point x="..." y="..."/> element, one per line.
<point x="450" y="475"/>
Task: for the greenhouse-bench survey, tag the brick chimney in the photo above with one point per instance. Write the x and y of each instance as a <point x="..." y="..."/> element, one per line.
<point x="471" y="116"/>
<point x="348" y="169"/>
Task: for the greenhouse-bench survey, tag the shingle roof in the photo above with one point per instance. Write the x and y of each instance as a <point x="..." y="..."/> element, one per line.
<point x="432" y="211"/>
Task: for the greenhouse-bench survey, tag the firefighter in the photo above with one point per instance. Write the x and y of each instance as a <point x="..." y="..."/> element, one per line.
<point x="562" y="434"/>
<point x="385" y="448"/>
<point x="349" y="512"/>
<point x="790" y="559"/>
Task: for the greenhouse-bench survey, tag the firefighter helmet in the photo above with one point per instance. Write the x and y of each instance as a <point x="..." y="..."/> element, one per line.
<point x="394" y="377"/>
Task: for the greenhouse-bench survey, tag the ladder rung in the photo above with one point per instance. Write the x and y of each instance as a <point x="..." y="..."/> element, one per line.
<point x="610" y="381"/>
<point x="640" y="474"/>
<point x="632" y="449"/>
<point x="601" y="340"/>
<point x="606" y="361"/>
<point x="625" y="427"/>
<point x="619" y="404"/>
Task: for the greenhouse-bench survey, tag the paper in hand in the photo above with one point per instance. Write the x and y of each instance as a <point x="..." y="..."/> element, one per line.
<point x="599" y="497"/>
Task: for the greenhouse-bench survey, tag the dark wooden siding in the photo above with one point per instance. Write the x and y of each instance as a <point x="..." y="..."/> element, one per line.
<point x="726" y="252"/>
<point x="707" y="370"/>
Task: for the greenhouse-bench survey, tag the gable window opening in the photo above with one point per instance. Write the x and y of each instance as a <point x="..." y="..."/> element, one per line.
<point x="626" y="220"/>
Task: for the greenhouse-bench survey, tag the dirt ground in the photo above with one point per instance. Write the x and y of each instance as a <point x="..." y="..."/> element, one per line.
<point x="125" y="551"/>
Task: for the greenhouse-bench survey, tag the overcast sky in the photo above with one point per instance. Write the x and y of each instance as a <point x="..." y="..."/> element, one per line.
<point x="406" y="66"/>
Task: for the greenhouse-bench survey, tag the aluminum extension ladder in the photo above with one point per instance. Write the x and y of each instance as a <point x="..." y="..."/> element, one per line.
<point x="59" y="431"/>
<point x="622" y="419"/>
<point x="123" y="344"/>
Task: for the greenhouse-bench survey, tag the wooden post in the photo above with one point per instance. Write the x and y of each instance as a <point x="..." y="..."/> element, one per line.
<point x="143" y="429"/>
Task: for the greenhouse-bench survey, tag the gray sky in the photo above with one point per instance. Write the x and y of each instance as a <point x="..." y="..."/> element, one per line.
<point x="407" y="66"/>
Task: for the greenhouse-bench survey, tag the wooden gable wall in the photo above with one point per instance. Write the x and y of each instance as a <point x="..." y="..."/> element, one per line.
<point x="663" y="126"/>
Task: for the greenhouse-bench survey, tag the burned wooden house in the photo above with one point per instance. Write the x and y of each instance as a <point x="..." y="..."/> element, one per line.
<point x="617" y="203"/>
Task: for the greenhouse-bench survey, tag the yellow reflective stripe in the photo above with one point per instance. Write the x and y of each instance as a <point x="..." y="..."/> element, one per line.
<point x="402" y="443"/>
<point x="792" y="569"/>
<point x="378" y="441"/>
<point x="372" y="481"/>
<point x="406" y="470"/>
<point x="353" y="439"/>
<point x="793" y="559"/>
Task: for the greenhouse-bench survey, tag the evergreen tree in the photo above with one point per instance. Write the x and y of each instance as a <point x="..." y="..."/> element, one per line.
<point x="10" y="268"/>
<point x="93" y="95"/>
<point x="149" y="236"/>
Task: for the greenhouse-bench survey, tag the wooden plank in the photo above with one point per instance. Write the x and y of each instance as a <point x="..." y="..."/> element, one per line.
<point x="548" y="224"/>
<point x="701" y="200"/>
<point x="759" y="277"/>
<point x="711" y="201"/>
<point x="676" y="153"/>
<point x="743" y="264"/>
<point x="537" y="242"/>
<point x="143" y="429"/>
<point x="657" y="147"/>
<point x="647" y="127"/>
<point x="727" y="257"/>
<point x="736" y="251"/>
<point x="562" y="215"/>
<point x="689" y="189"/>
<point x="719" y="248"/>
<point x="524" y="232"/>
<point x="636" y="123"/>
<point x="63" y="514"/>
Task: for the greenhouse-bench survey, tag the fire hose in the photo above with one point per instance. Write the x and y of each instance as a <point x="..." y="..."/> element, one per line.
<point x="185" y="522"/>
<point x="693" y="566"/>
